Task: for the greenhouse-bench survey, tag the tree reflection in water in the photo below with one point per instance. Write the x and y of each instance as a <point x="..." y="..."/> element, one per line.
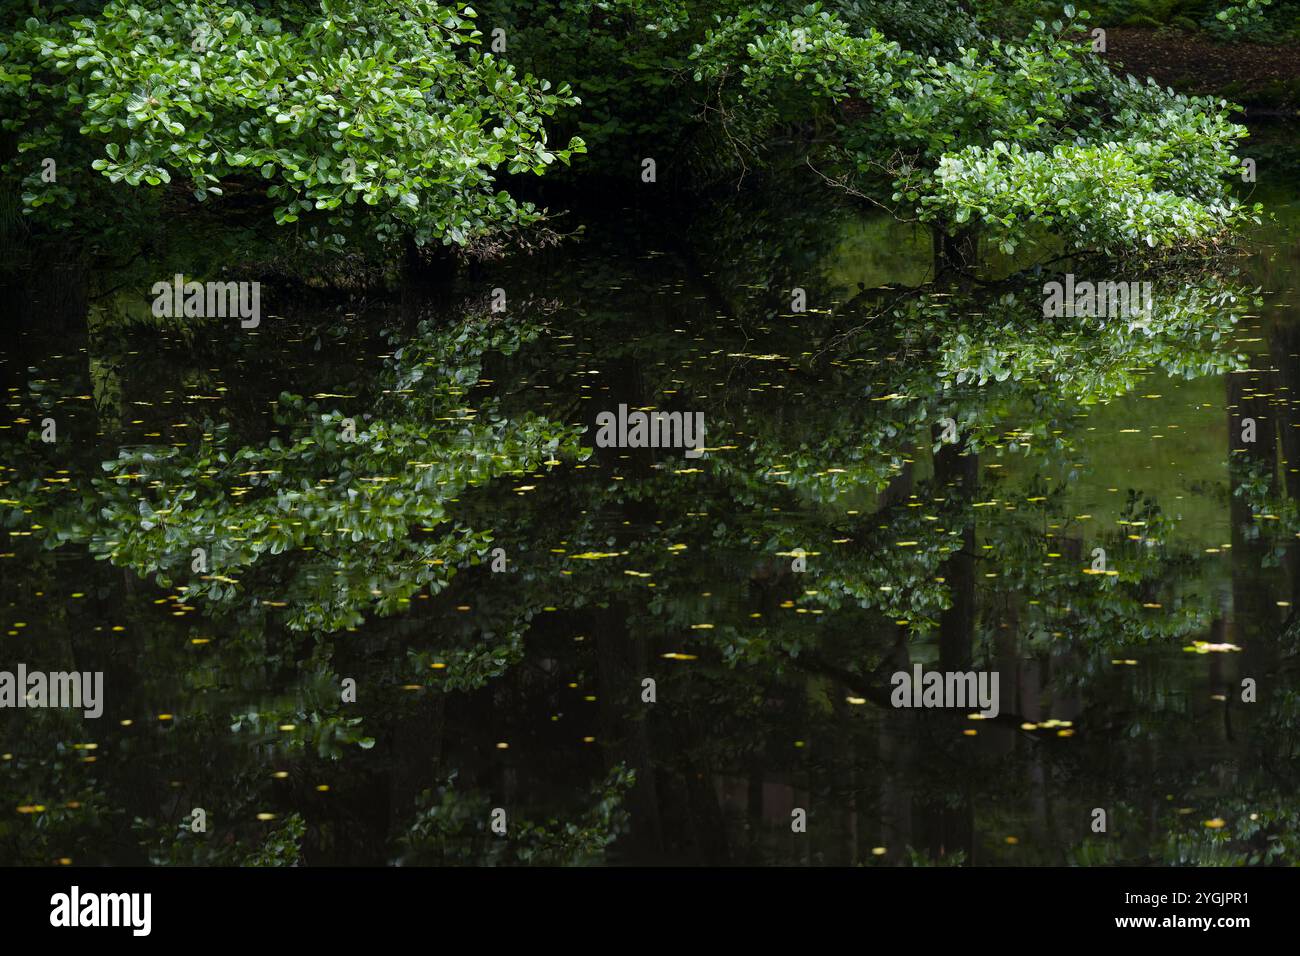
<point x="206" y="535"/>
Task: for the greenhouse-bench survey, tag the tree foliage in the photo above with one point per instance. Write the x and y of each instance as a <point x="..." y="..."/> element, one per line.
<point x="331" y="109"/>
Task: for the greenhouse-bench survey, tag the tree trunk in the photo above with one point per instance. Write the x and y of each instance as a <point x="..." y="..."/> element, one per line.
<point x="428" y="274"/>
<point x="955" y="256"/>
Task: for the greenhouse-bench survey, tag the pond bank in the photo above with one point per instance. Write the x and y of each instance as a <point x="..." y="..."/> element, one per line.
<point x="1264" y="78"/>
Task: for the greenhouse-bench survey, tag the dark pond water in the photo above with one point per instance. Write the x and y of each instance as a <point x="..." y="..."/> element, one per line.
<point x="316" y="641"/>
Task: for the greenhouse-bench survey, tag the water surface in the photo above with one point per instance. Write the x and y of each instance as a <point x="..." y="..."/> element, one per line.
<point x="827" y="539"/>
